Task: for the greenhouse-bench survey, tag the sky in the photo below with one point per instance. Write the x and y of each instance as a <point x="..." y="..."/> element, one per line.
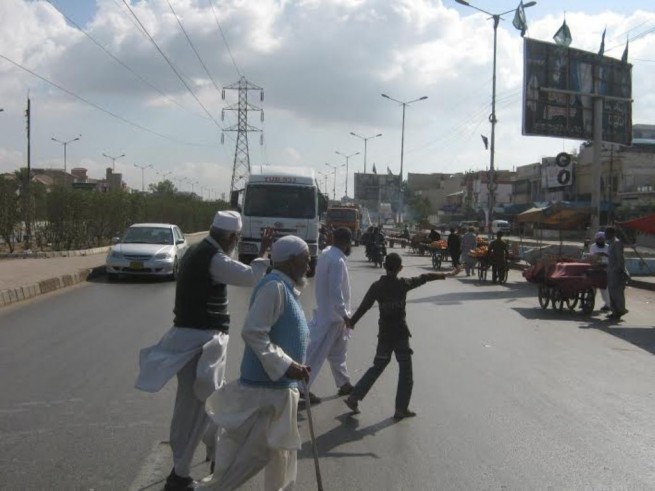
<point x="323" y="65"/>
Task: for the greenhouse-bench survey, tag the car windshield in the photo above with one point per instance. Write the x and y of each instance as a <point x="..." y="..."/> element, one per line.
<point x="280" y="201"/>
<point x="342" y="215"/>
<point x="148" y="235"/>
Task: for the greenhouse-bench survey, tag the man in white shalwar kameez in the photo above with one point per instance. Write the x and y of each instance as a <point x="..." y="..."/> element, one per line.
<point x="195" y="348"/>
<point x="258" y="413"/>
<point x="328" y="334"/>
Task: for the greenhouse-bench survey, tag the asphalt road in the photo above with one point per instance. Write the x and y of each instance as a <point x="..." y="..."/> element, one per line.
<point x="508" y="396"/>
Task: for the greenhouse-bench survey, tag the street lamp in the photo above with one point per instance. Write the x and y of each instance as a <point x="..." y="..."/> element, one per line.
<point x="402" y="146"/>
<point x="334" y="182"/>
<point x="491" y="181"/>
<point x="347" y="159"/>
<point x="113" y="160"/>
<point x="65" y="144"/>
<point x="325" y="177"/>
<point x="366" y="139"/>
<point x="143" y="168"/>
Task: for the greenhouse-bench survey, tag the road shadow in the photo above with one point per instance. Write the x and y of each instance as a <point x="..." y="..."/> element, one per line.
<point x="99" y="275"/>
<point x="640" y="336"/>
<point x="348" y="431"/>
<point x="508" y="291"/>
<point x="537" y="313"/>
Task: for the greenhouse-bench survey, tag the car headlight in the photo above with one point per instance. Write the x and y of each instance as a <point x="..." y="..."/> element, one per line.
<point x="116" y="255"/>
<point x="163" y="255"/>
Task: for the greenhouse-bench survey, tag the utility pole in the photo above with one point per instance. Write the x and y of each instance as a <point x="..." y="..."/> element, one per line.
<point x="347" y="157"/>
<point x="366" y="139"/>
<point x="143" y="168"/>
<point x="334" y="181"/>
<point x="27" y="201"/>
<point x="241" y="166"/>
<point x="113" y="160"/>
<point x="65" y="144"/>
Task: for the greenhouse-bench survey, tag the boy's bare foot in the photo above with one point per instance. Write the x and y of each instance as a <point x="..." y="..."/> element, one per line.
<point x="400" y="414"/>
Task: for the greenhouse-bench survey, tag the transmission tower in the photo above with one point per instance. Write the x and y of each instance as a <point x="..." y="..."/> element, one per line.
<point x="241" y="167"/>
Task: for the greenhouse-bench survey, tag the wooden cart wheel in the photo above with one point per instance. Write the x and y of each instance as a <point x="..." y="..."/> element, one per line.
<point x="544" y="296"/>
<point x="556" y="299"/>
<point x="436" y="260"/>
<point x="572" y="303"/>
<point x="588" y="300"/>
<point x="482" y="271"/>
<point x="503" y="274"/>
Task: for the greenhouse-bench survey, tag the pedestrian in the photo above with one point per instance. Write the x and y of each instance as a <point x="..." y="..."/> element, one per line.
<point x="454" y="247"/>
<point x="617" y="275"/>
<point x="434" y="235"/>
<point x="498" y="252"/>
<point x="258" y="412"/>
<point x="390" y="292"/>
<point x="469" y="243"/>
<point x="195" y="347"/>
<point x="598" y="250"/>
<point x="328" y="335"/>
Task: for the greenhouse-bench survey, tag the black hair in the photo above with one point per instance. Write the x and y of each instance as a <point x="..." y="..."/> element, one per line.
<point x="342" y="235"/>
<point x="393" y="262"/>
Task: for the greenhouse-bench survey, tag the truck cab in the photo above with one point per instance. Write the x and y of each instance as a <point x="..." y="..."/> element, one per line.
<point x="287" y="200"/>
<point x="348" y="216"/>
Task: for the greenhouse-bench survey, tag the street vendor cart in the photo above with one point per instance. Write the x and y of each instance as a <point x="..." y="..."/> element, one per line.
<point x="572" y="284"/>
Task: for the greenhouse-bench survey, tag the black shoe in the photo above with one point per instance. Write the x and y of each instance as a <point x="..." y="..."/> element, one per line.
<point x="605" y="308"/>
<point x="345" y="389"/>
<point x="352" y="404"/>
<point x="179" y="483"/>
<point x="400" y="414"/>
<point x="614" y="316"/>
<point x="313" y="398"/>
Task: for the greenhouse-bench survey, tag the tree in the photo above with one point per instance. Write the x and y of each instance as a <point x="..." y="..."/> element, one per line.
<point x="9" y="211"/>
<point x="165" y="187"/>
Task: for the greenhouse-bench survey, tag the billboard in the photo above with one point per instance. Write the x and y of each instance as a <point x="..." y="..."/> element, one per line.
<point x="575" y="75"/>
<point x="382" y="188"/>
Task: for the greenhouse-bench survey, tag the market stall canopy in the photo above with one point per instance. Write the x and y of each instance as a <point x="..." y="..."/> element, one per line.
<point x="561" y="215"/>
<point x="645" y="224"/>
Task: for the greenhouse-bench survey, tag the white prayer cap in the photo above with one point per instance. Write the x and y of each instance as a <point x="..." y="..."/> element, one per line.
<point x="229" y="221"/>
<point x="288" y="246"/>
<point x="599" y="235"/>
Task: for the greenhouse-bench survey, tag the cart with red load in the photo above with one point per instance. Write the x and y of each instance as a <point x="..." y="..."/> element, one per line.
<point x="572" y="284"/>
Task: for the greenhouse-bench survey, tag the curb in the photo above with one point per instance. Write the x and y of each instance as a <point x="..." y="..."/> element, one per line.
<point x="15" y="295"/>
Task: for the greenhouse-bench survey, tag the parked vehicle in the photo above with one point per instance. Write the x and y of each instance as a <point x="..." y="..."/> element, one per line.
<point x="147" y="249"/>
<point x="285" y="199"/>
<point x="500" y="226"/>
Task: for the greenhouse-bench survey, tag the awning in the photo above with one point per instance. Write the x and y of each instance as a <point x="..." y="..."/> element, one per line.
<point x="645" y="224"/>
<point x="560" y="215"/>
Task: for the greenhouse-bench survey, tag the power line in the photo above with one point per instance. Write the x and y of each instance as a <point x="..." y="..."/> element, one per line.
<point x="179" y="22"/>
<point x="170" y="63"/>
<point x="117" y="60"/>
<point x="211" y="3"/>
<point x="100" y="108"/>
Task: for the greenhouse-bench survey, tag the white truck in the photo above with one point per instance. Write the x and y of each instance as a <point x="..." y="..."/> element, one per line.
<point x="285" y="199"/>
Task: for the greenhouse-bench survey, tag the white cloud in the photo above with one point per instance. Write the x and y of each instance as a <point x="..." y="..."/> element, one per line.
<point x="323" y="65"/>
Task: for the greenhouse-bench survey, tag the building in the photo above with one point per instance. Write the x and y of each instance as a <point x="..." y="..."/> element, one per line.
<point x="437" y="188"/>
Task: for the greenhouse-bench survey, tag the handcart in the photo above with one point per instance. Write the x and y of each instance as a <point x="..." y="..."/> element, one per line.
<point x="572" y="284"/>
<point x="439" y="255"/>
<point x="484" y="264"/>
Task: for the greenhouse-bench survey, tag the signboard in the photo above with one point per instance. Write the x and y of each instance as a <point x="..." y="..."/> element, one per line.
<point x="558" y="172"/>
<point x="558" y="88"/>
<point x="382" y="188"/>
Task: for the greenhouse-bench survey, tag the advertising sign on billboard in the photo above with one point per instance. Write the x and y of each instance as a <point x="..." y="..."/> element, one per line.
<point x="558" y="88"/>
<point x="381" y="188"/>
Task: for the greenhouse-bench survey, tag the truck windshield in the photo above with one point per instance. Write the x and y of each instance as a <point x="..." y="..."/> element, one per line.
<point x="342" y="215"/>
<point x="280" y="201"/>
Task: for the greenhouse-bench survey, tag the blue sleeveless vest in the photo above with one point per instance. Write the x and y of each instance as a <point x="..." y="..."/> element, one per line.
<point x="290" y="333"/>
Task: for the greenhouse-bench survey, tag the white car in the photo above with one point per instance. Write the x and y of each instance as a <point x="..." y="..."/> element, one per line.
<point x="147" y="249"/>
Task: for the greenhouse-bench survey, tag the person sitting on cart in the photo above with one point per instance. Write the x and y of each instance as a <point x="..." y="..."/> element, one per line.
<point x="434" y="235"/>
<point x="405" y="234"/>
<point x="498" y="252"/>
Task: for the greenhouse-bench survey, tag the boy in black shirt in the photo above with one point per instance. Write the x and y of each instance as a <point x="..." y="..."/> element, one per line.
<point x="391" y="292"/>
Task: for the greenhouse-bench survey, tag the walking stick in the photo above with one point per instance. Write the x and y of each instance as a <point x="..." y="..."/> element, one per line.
<point x="308" y="405"/>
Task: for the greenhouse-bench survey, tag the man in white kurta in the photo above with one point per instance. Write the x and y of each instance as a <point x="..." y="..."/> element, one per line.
<point x="195" y="348"/>
<point x="599" y="250"/>
<point x="258" y="413"/>
<point x="328" y="334"/>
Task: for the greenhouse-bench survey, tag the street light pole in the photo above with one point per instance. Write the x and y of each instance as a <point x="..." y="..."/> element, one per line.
<point x="334" y="181"/>
<point x="143" y="168"/>
<point x="65" y="144"/>
<point x="401" y="198"/>
<point x="492" y="185"/>
<point x="113" y="160"/>
<point x="347" y="160"/>
<point x="366" y="139"/>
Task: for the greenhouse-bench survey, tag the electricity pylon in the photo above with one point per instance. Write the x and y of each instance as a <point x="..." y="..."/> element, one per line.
<point x="241" y="167"/>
